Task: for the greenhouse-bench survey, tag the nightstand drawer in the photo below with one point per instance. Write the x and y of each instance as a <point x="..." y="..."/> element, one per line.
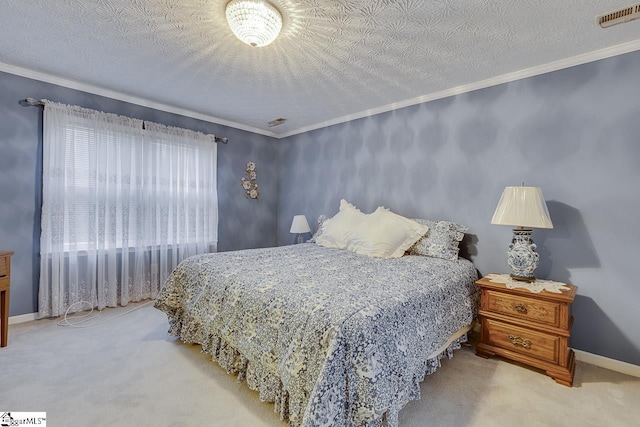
<point x="525" y="341"/>
<point x="4" y="283"/>
<point x="3" y="266"/>
<point x="536" y="310"/>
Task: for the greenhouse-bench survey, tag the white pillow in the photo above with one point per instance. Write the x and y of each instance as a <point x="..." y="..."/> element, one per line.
<point x="334" y="230"/>
<point x="384" y="234"/>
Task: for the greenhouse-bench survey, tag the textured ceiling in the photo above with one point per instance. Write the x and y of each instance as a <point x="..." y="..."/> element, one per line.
<point x="333" y="59"/>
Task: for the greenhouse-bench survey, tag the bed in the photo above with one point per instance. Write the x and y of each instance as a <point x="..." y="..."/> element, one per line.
<point x="332" y="337"/>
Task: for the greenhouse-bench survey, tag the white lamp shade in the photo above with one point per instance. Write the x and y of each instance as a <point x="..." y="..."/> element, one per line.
<point x="522" y="207"/>
<point x="300" y="225"/>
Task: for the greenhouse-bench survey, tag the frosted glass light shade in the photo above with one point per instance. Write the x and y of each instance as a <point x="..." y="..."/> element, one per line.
<point x="300" y="225"/>
<point x="255" y="22"/>
<point x="522" y="207"/>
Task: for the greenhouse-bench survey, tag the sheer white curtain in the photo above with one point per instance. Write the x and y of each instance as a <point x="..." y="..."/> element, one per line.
<point x="122" y="206"/>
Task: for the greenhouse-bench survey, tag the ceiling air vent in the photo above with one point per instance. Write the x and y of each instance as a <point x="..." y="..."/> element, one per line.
<point x="619" y="16"/>
<point x="276" y="122"/>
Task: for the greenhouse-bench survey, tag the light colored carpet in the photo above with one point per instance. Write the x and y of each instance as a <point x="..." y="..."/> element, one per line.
<point x="128" y="372"/>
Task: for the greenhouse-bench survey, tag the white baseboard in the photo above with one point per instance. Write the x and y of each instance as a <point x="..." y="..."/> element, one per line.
<point x="23" y="318"/>
<point x="605" y="362"/>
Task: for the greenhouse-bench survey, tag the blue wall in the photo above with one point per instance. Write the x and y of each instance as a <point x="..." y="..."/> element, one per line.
<point x="574" y="132"/>
<point x="243" y="223"/>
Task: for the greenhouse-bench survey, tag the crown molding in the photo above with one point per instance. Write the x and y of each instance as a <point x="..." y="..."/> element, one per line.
<point x="96" y="90"/>
<point x="493" y="81"/>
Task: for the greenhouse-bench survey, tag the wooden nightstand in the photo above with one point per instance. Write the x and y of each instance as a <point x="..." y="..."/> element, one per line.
<point x="5" y="275"/>
<point x="530" y="328"/>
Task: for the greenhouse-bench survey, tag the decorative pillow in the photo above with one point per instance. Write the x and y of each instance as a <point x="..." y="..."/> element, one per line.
<point x="384" y="234"/>
<point x="319" y="230"/>
<point x="442" y="240"/>
<point x="334" y="230"/>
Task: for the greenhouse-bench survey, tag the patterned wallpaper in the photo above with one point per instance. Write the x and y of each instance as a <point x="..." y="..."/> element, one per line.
<point x="572" y="132"/>
<point x="243" y="223"/>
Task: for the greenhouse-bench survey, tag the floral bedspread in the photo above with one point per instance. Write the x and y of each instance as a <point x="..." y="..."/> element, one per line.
<point x="333" y="338"/>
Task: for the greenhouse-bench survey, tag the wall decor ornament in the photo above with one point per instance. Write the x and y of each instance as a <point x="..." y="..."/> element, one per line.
<point x="249" y="183"/>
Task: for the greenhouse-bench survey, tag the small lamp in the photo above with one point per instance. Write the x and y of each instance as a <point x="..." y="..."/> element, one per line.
<point x="525" y="208"/>
<point x="299" y="225"/>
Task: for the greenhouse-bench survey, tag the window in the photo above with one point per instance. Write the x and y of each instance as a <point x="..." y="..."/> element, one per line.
<point x="123" y="203"/>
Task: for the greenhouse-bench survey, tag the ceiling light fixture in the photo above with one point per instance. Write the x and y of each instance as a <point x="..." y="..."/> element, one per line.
<point x="255" y="22"/>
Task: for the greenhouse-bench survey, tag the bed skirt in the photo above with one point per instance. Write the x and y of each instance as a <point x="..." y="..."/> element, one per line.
<point x="267" y="383"/>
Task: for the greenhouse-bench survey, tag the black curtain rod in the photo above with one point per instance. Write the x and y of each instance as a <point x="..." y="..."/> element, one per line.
<point x="32" y="102"/>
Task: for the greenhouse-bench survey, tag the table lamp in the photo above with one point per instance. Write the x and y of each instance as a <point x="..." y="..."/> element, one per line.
<point x="524" y="208"/>
<point x="299" y="225"/>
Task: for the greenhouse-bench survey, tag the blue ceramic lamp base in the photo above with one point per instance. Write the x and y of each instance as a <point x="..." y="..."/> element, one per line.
<point x="522" y="256"/>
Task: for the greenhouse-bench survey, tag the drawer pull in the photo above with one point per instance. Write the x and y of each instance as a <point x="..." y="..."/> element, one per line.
<point x="519" y="341"/>
<point x="521" y="308"/>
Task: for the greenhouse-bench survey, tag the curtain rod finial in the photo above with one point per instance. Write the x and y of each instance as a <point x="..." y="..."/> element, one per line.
<point x="31" y="102"/>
